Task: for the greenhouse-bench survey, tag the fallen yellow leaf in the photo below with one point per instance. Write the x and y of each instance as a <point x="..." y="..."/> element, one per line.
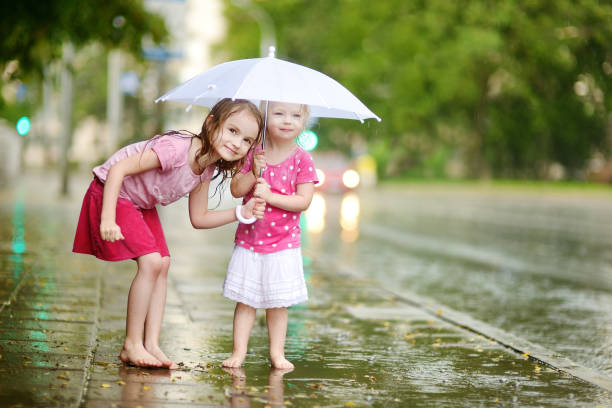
<point x="105" y="385"/>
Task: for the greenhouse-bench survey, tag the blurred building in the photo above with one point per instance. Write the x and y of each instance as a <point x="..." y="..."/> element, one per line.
<point x="10" y="153"/>
<point x="193" y="25"/>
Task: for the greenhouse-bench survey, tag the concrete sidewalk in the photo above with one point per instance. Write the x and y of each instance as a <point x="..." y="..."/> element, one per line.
<point x="354" y="343"/>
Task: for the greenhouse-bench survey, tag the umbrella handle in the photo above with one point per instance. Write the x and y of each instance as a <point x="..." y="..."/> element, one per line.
<point x="263" y="138"/>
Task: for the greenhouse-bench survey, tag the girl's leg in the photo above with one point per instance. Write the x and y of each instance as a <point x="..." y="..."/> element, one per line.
<point x="244" y="317"/>
<point x="139" y="300"/>
<point x="155" y="316"/>
<point x="277" y="331"/>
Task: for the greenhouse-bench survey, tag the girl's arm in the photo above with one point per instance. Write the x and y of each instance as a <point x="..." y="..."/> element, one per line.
<point x="242" y="183"/>
<point x="201" y="217"/>
<point x="296" y="203"/>
<point x="138" y="163"/>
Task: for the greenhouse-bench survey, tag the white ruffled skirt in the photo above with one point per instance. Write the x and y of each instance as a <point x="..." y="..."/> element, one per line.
<point x="266" y="281"/>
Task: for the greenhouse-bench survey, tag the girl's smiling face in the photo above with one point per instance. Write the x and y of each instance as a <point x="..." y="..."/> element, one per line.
<point x="285" y="120"/>
<point x="236" y="136"/>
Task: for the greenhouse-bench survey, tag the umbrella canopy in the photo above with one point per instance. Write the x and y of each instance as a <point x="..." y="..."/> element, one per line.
<point x="271" y="79"/>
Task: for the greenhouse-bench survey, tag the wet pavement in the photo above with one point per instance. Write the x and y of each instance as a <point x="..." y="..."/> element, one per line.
<point x="533" y="261"/>
<point x="359" y="341"/>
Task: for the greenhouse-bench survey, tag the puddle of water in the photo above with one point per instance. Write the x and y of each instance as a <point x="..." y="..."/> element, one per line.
<point x="538" y="267"/>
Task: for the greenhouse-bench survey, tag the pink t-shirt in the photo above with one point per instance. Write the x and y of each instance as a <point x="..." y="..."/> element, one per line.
<point x="162" y="185"/>
<point x="278" y="229"/>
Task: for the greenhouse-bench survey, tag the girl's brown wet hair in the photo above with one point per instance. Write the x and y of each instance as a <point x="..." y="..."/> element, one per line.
<point x="214" y="121"/>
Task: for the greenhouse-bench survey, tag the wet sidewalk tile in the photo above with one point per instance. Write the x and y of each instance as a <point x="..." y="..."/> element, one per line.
<point x="353" y="343"/>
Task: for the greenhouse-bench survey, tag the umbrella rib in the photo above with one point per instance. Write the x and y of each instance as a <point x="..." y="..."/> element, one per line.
<point x="209" y="88"/>
<point x="357" y="116"/>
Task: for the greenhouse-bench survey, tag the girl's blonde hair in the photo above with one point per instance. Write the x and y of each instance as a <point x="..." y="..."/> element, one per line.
<point x="304" y="108"/>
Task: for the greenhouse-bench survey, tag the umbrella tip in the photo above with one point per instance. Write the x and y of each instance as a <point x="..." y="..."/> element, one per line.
<point x="271" y="51"/>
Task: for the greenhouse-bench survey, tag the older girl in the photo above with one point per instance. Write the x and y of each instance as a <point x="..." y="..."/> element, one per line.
<point x="119" y="221"/>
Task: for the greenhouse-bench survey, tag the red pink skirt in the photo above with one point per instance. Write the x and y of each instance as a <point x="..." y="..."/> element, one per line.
<point x="141" y="228"/>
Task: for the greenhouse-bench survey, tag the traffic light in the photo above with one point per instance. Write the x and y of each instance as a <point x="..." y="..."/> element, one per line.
<point x="23" y="125"/>
<point x="308" y="140"/>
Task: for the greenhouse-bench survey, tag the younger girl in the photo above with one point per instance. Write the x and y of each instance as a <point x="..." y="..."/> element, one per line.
<point x="266" y="269"/>
<point x="119" y="221"/>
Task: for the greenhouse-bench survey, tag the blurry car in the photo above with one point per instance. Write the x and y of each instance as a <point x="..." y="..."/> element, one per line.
<point x="335" y="172"/>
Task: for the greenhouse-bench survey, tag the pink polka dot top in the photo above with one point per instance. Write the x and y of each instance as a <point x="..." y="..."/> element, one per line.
<point x="278" y="229"/>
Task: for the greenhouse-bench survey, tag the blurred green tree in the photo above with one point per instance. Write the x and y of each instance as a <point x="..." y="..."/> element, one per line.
<point x="33" y="32"/>
<point x="507" y="87"/>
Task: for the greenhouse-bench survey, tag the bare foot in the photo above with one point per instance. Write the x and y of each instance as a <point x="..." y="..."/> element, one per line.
<point x="281" y="363"/>
<point x="235" y="360"/>
<point x="156" y="352"/>
<point x="138" y="356"/>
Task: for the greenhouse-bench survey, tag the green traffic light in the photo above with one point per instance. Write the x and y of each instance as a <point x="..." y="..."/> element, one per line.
<point x="308" y="140"/>
<point x="23" y="126"/>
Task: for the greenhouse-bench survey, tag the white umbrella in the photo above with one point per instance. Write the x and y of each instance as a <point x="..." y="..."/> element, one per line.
<point x="271" y="79"/>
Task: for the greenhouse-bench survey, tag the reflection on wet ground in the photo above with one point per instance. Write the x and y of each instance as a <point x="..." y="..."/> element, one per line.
<point x="354" y="343"/>
<point x="535" y="264"/>
<point x="241" y="394"/>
